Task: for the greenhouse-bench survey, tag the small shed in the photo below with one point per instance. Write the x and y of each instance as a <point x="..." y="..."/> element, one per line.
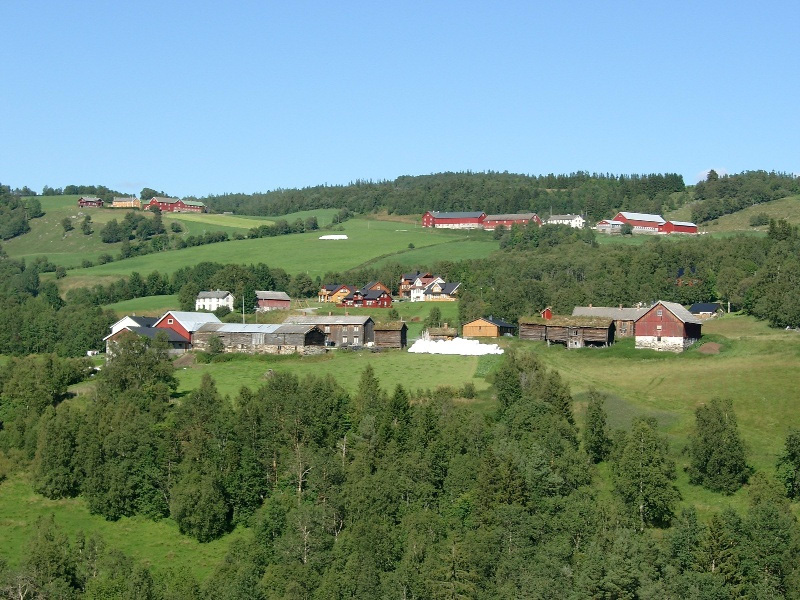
<point x="573" y="332"/>
<point x="488" y="327"/>
<point x="442" y="333"/>
<point x="391" y="335"/>
<point x="624" y="318"/>
<point x="705" y="309"/>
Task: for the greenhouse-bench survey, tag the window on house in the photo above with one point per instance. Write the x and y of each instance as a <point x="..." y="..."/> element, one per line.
<point x="344" y="340"/>
<point x="355" y="341"/>
<point x="659" y="312"/>
<point x="658" y="327"/>
<point x="327" y="328"/>
<point x="169" y="321"/>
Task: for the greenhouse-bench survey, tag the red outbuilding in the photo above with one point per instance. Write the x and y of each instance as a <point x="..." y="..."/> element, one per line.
<point x="85" y="201"/>
<point x="678" y="227"/>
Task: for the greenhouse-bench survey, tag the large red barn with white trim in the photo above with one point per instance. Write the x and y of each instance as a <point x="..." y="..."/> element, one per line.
<point x="453" y="220"/>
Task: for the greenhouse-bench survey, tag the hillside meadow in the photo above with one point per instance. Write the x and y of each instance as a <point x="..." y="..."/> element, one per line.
<point x="368" y="241"/>
<point x="48" y="238"/>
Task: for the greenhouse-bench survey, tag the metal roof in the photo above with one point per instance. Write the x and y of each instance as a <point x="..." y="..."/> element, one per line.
<point x="192" y="321"/>
<point x="214" y="294"/>
<point x="514" y="217"/>
<point x="329" y="319"/>
<point x="679" y="311"/>
<point x="633" y="216"/>
<point x="258" y="327"/>
<point x="267" y="295"/>
<point x="610" y="312"/>
<point x="684" y="223"/>
<point x="457" y="215"/>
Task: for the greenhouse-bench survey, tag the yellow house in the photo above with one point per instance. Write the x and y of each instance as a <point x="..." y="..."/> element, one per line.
<point x="487" y="327"/>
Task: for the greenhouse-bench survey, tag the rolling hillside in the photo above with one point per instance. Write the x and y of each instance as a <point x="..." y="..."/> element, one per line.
<point x="368" y="241"/>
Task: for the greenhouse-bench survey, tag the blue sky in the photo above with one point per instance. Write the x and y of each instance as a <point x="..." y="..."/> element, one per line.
<point x="198" y="98"/>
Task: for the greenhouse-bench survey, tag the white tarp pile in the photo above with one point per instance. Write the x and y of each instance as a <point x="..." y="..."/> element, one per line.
<point x="457" y="346"/>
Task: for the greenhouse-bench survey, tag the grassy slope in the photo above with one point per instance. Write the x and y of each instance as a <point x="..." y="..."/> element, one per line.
<point x="47" y="236"/>
<point x="785" y="208"/>
<point x="295" y="253"/>
<point x="157" y="544"/>
<point x="149" y="306"/>
<point x="757" y="369"/>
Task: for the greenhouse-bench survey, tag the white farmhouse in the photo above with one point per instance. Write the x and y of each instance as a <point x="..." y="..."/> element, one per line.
<point x="575" y="221"/>
<point x="213" y="300"/>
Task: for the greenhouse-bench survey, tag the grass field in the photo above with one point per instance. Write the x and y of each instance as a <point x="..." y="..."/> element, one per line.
<point x="149" y="306"/>
<point x="47" y="236"/>
<point x="785" y="208"/>
<point x="368" y="240"/>
<point x="414" y="371"/>
<point x="156" y="544"/>
<point x="756" y="369"/>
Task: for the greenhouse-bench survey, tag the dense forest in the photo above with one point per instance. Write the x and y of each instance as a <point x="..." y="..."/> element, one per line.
<point x="596" y="195"/>
<point x="389" y="493"/>
<point x="16" y="212"/>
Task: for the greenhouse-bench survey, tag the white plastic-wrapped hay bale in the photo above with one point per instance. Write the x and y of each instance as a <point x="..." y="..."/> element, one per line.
<point x="458" y="346"/>
<point x="333" y="237"/>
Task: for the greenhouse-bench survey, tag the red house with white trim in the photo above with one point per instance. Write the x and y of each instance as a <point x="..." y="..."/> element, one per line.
<point x="453" y="220"/>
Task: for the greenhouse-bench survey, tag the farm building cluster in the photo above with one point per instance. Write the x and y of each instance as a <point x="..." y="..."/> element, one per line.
<point x="298" y="334"/>
<point x="480" y="220"/>
<point x="416" y="287"/>
<point x="266" y="300"/>
<point x="164" y="204"/>
<point x="639" y="222"/>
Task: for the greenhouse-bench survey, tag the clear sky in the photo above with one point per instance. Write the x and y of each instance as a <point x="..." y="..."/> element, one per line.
<point x="197" y="98"/>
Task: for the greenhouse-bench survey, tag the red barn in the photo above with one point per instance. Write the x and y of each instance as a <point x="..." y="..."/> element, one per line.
<point x="85" y="201"/>
<point x="667" y="326"/>
<point x="678" y="227"/>
<point x="185" y="323"/>
<point x="453" y="220"/>
<point x="641" y="222"/>
<point x="492" y="221"/>
<point x="266" y="301"/>
<point x="174" y="205"/>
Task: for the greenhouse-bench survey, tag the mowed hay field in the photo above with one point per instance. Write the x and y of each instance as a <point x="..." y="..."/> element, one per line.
<point x="296" y="253"/>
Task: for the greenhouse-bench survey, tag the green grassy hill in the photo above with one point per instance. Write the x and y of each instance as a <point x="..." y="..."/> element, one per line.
<point x="785" y="208"/>
<point x="47" y="236"/>
<point x="368" y="241"/>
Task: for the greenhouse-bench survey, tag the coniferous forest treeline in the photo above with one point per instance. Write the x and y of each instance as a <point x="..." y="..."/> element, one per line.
<point x="387" y="493"/>
<point x="594" y="195"/>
